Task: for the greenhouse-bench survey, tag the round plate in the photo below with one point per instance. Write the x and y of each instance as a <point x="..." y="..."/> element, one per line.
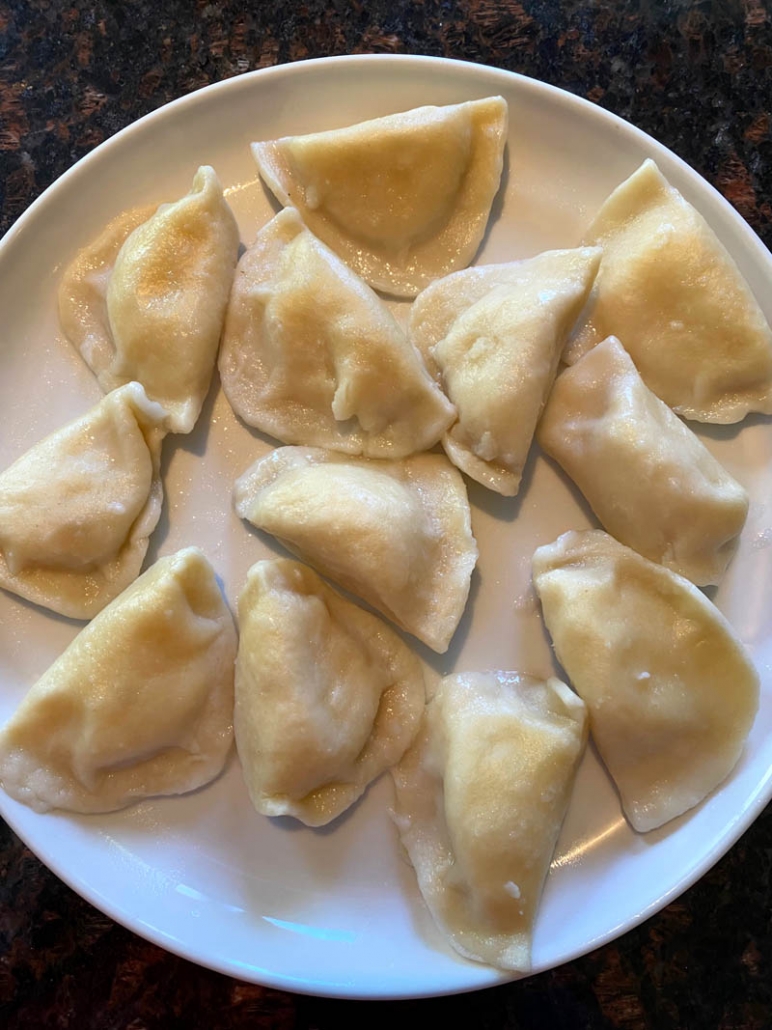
<point x="336" y="911"/>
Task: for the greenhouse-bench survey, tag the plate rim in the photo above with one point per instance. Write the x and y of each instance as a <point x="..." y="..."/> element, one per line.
<point x="249" y="80"/>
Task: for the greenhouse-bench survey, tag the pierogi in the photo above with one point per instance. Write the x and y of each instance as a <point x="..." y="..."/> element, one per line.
<point x="322" y="696"/>
<point x="77" y="510"/>
<point x="498" y="360"/>
<point x="140" y="703"/>
<point x="402" y="199"/>
<point x="327" y="695"/>
<point x="311" y="355"/>
<point x="481" y="797"/>
<point x="672" y="695"/>
<point x="148" y="305"/>
<point x="395" y="533"/>
<point x="648" y="478"/>
<point x="83" y="290"/>
<point x="442" y="303"/>
<point x="670" y="291"/>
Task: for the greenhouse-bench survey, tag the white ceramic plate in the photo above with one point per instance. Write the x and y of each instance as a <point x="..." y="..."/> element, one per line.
<point x="336" y="911"/>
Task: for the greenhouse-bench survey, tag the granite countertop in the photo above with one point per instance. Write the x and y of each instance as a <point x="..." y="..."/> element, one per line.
<point x="698" y="77"/>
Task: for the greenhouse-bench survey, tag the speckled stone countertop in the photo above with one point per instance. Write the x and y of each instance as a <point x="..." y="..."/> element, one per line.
<point x="698" y="77"/>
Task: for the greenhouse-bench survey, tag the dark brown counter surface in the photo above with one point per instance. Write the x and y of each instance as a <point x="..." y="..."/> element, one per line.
<point x="698" y="77"/>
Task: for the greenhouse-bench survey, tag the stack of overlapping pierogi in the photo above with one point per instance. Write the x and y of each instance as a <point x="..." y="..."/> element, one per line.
<point x="650" y="317"/>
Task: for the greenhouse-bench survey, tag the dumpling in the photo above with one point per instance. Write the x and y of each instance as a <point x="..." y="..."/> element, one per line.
<point x="402" y="199"/>
<point x="77" y="510"/>
<point x="140" y="703"/>
<point x="671" y="692"/>
<point x="311" y="355"/>
<point x="436" y="308"/>
<point x="83" y="289"/>
<point x="149" y="306"/>
<point x="327" y="696"/>
<point x="648" y="478"/>
<point x="481" y="797"/>
<point x="396" y="533"/>
<point x="498" y="361"/>
<point x="671" y="292"/>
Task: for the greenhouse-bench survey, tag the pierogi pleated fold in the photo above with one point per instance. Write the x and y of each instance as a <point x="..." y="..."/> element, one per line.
<point x="395" y="533"/>
<point x="402" y="199"/>
<point x="671" y="691"/>
<point x="670" y="291"/>
<point x="327" y="695"/>
<point x="480" y="800"/>
<point x="77" y="510"/>
<point x="496" y="340"/>
<point x="146" y="301"/>
<point x="651" y="482"/>
<point x="140" y="704"/>
<point x="311" y="355"/>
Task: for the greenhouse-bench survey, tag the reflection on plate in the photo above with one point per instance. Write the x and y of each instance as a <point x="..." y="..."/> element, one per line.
<point x="336" y="911"/>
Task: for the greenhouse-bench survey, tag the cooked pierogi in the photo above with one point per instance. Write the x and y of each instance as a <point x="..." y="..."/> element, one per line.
<point x="481" y="796"/>
<point x="311" y="355"/>
<point x="402" y="199"/>
<point x="648" y="478"/>
<point x="436" y="308"/>
<point x="396" y="533"/>
<point x="671" y="691"/>
<point x="671" y="292"/>
<point x="77" y="510"/>
<point x="149" y="306"/>
<point x="140" y="703"/>
<point x="327" y="696"/>
<point x="498" y="361"/>
<point x="83" y="289"/>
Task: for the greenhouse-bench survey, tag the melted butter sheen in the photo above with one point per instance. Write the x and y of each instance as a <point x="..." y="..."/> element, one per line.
<point x="402" y="199"/>
<point x="416" y="170"/>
